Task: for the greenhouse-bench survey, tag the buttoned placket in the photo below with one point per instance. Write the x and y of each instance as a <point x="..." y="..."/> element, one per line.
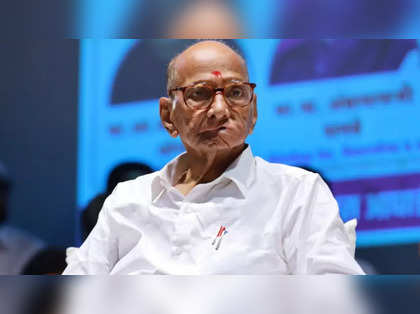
<point x="182" y="232"/>
<point x="197" y="219"/>
<point x="190" y="226"/>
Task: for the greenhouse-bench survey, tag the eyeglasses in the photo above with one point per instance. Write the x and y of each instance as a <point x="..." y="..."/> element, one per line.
<point x="202" y="95"/>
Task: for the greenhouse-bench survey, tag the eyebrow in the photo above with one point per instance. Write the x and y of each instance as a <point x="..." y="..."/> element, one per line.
<point x="228" y="79"/>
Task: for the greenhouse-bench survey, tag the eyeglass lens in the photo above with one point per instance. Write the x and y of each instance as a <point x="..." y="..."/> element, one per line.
<point x="202" y="95"/>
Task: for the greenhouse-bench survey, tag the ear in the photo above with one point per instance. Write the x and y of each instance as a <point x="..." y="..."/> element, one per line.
<point x="165" y="109"/>
<point x="253" y="113"/>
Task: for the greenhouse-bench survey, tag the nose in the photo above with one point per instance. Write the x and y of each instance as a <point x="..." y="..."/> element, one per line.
<point x="219" y="109"/>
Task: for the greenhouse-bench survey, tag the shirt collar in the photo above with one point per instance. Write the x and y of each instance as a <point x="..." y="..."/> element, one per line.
<point x="241" y="172"/>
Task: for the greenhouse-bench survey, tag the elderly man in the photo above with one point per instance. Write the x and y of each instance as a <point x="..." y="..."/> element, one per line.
<point x="216" y="209"/>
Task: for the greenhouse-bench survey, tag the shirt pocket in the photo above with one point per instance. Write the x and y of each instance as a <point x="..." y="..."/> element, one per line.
<point x="251" y="255"/>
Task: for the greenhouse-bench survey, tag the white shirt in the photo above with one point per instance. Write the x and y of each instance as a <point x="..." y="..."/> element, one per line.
<point x="279" y="220"/>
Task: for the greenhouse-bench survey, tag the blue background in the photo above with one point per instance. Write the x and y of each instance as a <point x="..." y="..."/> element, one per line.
<point x="114" y="128"/>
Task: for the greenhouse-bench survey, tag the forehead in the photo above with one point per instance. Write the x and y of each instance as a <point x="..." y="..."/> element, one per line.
<point x="209" y="63"/>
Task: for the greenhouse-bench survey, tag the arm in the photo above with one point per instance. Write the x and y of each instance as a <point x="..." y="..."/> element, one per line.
<point x="99" y="252"/>
<point x="317" y="242"/>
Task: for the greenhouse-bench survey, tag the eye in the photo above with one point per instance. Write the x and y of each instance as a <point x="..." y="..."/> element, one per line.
<point x="236" y="92"/>
<point x="199" y="93"/>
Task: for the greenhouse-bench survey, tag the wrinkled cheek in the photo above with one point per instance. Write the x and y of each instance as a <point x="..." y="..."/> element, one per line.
<point x="191" y="136"/>
<point x="244" y="115"/>
<point x="185" y="126"/>
<point x="244" y="121"/>
<point x="235" y="135"/>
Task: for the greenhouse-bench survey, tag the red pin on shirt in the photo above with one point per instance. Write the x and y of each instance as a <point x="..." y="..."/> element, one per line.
<point x="218" y="239"/>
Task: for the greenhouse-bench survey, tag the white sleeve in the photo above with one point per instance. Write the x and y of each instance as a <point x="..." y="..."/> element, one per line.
<point x="316" y="241"/>
<point x="99" y="252"/>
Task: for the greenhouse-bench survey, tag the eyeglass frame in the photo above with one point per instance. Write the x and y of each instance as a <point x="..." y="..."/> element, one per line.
<point x="215" y="90"/>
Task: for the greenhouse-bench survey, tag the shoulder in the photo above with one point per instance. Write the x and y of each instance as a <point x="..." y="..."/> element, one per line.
<point x="283" y="173"/>
<point x="141" y="186"/>
<point x="131" y="197"/>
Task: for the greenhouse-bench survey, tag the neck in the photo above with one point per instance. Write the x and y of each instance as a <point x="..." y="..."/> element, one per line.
<point x="202" y="167"/>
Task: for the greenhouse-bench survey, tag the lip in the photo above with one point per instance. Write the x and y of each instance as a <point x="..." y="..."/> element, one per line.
<point x="216" y="129"/>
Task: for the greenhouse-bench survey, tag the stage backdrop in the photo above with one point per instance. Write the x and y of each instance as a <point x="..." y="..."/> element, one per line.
<point x="348" y="109"/>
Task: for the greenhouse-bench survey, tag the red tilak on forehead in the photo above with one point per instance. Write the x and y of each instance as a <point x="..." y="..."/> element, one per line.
<point x="217" y="73"/>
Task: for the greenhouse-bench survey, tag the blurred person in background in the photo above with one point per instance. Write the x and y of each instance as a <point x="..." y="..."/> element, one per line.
<point x="216" y="209"/>
<point x="186" y="19"/>
<point x="206" y="19"/>
<point x="48" y="261"/>
<point x="17" y="247"/>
